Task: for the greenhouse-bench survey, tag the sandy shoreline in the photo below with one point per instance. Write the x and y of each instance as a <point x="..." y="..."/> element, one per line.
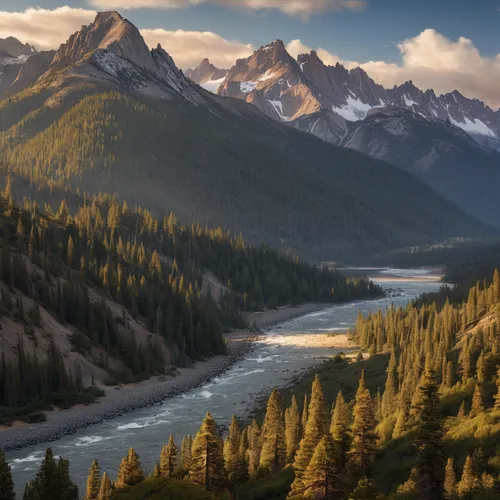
<point x="124" y="399"/>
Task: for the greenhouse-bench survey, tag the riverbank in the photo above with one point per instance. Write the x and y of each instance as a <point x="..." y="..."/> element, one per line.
<point x="119" y="400"/>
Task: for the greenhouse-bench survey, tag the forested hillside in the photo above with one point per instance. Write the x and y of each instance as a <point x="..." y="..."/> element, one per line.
<point x="422" y="423"/>
<point x="236" y="168"/>
<point x="107" y="294"/>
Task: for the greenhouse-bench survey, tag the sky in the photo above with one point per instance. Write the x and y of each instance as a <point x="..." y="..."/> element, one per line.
<point x="439" y="44"/>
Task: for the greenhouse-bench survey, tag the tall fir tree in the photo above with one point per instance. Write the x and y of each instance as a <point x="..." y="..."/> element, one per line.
<point x="450" y="480"/>
<point x="130" y="472"/>
<point x="207" y="460"/>
<point x="93" y="481"/>
<point x="321" y="478"/>
<point x="168" y="458"/>
<point x="477" y="406"/>
<point x="430" y="462"/>
<point x="234" y="458"/>
<point x="339" y="429"/>
<point x="364" y="437"/>
<point x="317" y="427"/>
<point x="6" y="481"/>
<point x="273" y="452"/>
<point x="186" y="445"/>
<point x="469" y="482"/>
<point x="254" y="449"/>
<point x="105" y="489"/>
<point x="292" y="430"/>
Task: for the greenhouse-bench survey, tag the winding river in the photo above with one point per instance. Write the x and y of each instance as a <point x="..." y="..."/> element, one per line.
<point x="273" y="361"/>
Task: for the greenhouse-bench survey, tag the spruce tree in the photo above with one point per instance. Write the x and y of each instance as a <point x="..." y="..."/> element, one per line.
<point x="339" y="429"/>
<point x="234" y="460"/>
<point x="6" y="482"/>
<point x="51" y="481"/>
<point x="207" y="460"/>
<point x="321" y="479"/>
<point x="477" y="402"/>
<point x="187" y="444"/>
<point x="273" y="452"/>
<point x="469" y="483"/>
<point x="292" y="430"/>
<point x="317" y="427"/>
<point x="168" y="458"/>
<point x="364" y="437"/>
<point x="130" y="472"/>
<point x="497" y="394"/>
<point x="304" y="417"/>
<point x="391" y="388"/>
<point x="430" y="462"/>
<point x="93" y="481"/>
<point x="254" y="448"/>
<point x="450" y="480"/>
<point x="105" y="489"/>
<point x="365" y="490"/>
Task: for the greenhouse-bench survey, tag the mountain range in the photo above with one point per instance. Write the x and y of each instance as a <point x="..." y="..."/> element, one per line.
<point x="289" y="90"/>
<point x="449" y="141"/>
<point x="106" y="114"/>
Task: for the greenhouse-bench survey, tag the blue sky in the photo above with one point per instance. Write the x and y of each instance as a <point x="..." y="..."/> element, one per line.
<point x="439" y="44"/>
<point x="368" y="34"/>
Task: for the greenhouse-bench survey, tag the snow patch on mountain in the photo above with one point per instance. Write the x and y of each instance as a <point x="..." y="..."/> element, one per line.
<point x="278" y="107"/>
<point x="212" y="85"/>
<point x="474" y="127"/>
<point x="354" y="109"/>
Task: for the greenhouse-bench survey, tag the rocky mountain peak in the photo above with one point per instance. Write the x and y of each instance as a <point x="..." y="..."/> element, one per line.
<point x="16" y="48"/>
<point x="206" y="72"/>
<point x="109" y="31"/>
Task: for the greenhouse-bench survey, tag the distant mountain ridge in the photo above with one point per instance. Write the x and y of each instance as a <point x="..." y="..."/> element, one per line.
<point x="292" y="91"/>
<point x="109" y="115"/>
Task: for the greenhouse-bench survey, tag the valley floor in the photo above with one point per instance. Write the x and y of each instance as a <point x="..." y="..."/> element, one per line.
<point x="119" y="400"/>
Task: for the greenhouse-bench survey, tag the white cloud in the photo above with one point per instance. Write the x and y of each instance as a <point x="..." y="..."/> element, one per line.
<point x="44" y="28"/>
<point x="188" y="48"/>
<point x="302" y="8"/>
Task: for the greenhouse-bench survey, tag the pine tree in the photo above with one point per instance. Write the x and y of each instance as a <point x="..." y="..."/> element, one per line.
<point x="273" y="452"/>
<point x="477" y="402"/>
<point x="365" y="490"/>
<point x="93" y="481"/>
<point x="157" y="471"/>
<point x="497" y="394"/>
<point x="292" y="430"/>
<point x="339" y="429"/>
<point x="51" y="481"/>
<point x="391" y="388"/>
<point x="317" y="427"/>
<point x="304" y="417"/>
<point x="207" y="460"/>
<point x="168" y="458"/>
<point x="187" y="444"/>
<point x="364" y="436"/>
<point x="130" y="472"/>
<point x="254" y="448"/>
<point x="462" y="410"/>
<point x="430" y="461"/>
<point x="450" y="480"/>
<point x="105" y="490"/>
<point x="6" y="482"/>
<point x="320" y="479"/>
<point x="469" y="482"/>
<point x="233" y="457"/>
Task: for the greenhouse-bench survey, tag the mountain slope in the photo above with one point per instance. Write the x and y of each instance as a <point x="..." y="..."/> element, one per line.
<point x="108" y="115"/>
<point x="437" y="152"/>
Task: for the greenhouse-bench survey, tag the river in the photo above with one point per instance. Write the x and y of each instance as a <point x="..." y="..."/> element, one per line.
<point x="274" y="360"/>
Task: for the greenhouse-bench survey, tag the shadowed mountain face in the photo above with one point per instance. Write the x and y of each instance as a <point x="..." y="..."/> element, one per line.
<point x="442" y="155"/>
<point x="109" y="115"/>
